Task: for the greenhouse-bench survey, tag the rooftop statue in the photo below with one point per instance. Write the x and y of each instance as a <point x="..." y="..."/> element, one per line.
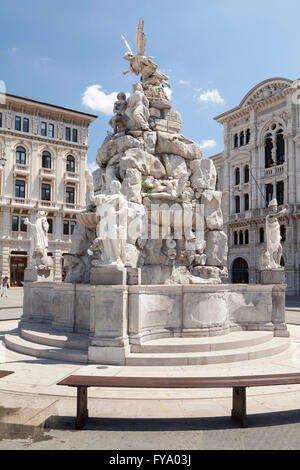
<point x="140" y="63"/>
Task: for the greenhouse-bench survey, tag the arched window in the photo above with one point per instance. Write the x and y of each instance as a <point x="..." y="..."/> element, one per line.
<point x="246" y="202"/>
<point x="283" y="233"/>
<point x="21" y="156"/>
<point x="236" y="141"/>
<point x="268" y="151"/>
<point x="242" y="138"/>
<point x="261" y="235"/>
<point x="246" y="174"/>
<point x="237" y="204"/>
<point x="235" y="237"/>
<point x="248" y="135"/>
<point x="247" y="237"/>
<point x="46" y="160"/>
<point x="241" y="237"/>
<point x="71" y="163"/>
<point x="280" y="158"/>
<point x="237" y="176"/>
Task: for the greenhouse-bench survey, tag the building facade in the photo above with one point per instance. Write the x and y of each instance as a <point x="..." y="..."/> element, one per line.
<point x="44" y="153"/>
<point x="261" y="161"/>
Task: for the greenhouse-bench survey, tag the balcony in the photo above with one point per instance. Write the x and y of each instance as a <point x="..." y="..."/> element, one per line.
<point x="22" y="203"/>
<point x="274" y="171"/>
<point x="71" y="176"/>
<point x="47" y="173"/>
<point x="47" y="205"/>
<point x="72" y="208"/>
<point x="20" y="169"/>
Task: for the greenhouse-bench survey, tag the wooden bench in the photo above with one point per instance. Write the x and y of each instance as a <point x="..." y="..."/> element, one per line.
<point x="4" y="373"/>
<point x="238" y="385"/>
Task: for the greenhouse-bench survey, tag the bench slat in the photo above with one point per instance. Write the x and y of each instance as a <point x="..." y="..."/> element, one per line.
<point x="4" y="373"/>
<point x="181" y="382"/>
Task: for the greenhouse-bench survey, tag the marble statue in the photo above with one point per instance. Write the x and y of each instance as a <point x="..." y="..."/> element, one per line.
<point x="141" y="64"/>
<point x="271" y="259"/>
<point x="40" y="241"/>
<point x="138" y="108"/>
<point x="111" y="228"/>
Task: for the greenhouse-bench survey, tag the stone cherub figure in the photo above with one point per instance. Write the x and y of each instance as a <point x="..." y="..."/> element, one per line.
<point x="140" y="64"/>
<point x="118" y="121"/>
<point x="40" y="241"/>
<point x="270" y="259"/>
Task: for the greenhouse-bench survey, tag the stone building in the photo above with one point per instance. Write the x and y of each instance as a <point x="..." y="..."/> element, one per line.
<point x="261" y="161"/>
<point x="43" y="150"/>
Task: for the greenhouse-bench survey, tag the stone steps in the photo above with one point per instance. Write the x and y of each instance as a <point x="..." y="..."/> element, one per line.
<point x="234" y="347"/>
<point x="275" y="346"/>
<point x="22" y="346"/>
<point x="43" y="335"/>
<point x="234" y="340"/>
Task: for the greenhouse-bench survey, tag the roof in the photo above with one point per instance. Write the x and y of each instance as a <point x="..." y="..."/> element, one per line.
<point x="89" y="116"/>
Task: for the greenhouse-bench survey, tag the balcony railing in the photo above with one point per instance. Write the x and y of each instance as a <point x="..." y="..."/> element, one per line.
<point x="23" y="202"/>
<point x="47" y="172"/>
<point x="274" y="171"/>
<point x="47" y="204"/>
<point x="21" y="169"/>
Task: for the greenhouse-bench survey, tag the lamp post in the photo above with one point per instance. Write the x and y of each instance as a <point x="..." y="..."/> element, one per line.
<point x="254" y="179"/>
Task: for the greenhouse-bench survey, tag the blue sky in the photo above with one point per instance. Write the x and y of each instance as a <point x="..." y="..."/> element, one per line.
<point x="213" y="51"/>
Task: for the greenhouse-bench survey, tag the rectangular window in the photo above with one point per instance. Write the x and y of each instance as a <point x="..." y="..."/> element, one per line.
<point x="0" y="119"/>
<point x="66" y="227"/>
<point x="20" y="189"/>
<point x="25" y="125"/>
<point x="74" y="135"/>
<point x="17" y="123"/>
<point x="51" y="130"/>
<point x="23" y="226"/>
<point x="50" y="223"/>
<point x="46" y="192"/>
<point x="68" y="133"/>
<point x="15" y="223"/>
<point x="70" y="195"/>
<point x="44" y="129"/>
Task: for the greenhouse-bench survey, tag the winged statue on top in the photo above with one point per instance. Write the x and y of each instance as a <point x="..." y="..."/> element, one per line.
<point x="140" y="63"/>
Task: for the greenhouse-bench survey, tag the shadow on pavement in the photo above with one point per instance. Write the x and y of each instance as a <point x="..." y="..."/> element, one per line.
<point x="174" y="424"/>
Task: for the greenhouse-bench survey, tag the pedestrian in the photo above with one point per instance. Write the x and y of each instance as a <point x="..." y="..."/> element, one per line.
<point x="5" y="287"/>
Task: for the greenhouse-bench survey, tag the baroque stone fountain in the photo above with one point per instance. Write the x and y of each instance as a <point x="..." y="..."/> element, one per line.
<point x="149" y="253"/>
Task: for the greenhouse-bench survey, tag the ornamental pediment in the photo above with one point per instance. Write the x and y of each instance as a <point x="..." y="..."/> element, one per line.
<point x="265" y="90"/>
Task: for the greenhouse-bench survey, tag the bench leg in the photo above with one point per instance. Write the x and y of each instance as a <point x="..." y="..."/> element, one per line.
<point x="82" y="411"/>
<point x="239" y="406"/>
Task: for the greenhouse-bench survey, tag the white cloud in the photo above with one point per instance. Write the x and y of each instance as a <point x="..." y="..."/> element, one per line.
<point x="98" y="100"/>
<point x="208" y="96"/>
<point x="184" y="82"/>
<point x="92" y="166"/>
<point x="207" y="144"/>
<point x="168" y="92"/>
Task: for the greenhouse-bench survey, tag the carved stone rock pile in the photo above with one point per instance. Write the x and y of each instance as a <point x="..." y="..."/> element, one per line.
<point x="156" y="165"/>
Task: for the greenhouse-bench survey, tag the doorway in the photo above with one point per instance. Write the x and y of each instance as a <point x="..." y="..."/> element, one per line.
<point x="240" y="271"/>
<point x="17" y="268"/>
